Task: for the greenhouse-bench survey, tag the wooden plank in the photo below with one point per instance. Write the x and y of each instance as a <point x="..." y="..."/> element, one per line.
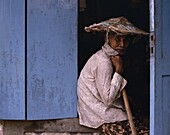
<point x="166" y="60"/>
<point x="166" y="104"/>
<point x="52" y="59"/>
<point x="165" y="31"/>
<point x="162" y="71"/>
<point x="12" y="63"/>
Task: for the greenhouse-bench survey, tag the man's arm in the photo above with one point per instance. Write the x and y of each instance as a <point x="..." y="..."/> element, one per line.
<point x="108" y="84"/>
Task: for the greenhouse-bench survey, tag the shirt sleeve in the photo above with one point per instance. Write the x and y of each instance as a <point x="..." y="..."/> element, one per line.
<point x="109" y="84"/>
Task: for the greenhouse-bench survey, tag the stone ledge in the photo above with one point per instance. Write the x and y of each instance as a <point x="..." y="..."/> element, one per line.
<point x="70" y="125"/>
<point x="62" y="134"/>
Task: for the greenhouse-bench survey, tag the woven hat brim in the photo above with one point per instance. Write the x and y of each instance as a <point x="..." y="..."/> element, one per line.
<point x="120" y="26"/>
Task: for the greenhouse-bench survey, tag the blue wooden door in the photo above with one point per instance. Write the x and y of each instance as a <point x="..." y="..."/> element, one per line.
<point x="12" y="63"/>
<point x="161" y="94"/>
<point x="51" y="59"/>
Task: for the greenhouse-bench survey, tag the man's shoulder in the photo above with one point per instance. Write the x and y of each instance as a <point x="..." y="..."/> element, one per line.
<point x="99" y="58"/>
<point x="101" y="55"/>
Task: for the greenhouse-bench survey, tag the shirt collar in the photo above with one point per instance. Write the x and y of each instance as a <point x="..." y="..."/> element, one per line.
<point x="108" y="50"/>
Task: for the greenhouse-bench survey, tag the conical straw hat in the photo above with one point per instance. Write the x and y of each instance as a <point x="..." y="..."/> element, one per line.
<point x="120" y="26"/>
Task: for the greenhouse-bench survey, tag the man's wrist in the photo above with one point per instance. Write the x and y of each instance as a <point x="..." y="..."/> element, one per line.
<point x="119" y="70"/>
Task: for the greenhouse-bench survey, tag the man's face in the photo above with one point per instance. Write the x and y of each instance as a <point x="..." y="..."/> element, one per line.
<point x="119" y="43"/>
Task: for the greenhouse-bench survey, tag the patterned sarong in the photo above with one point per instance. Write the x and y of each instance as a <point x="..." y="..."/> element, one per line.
<point x="123" y="128"/>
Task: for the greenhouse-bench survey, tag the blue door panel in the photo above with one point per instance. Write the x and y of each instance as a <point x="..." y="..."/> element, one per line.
<point x="162" y="68"/>
<point x="51" y="59"/>
<point x="166" y="104"/>
<point x="165" y="30"/>
<point x="12" y="63"/>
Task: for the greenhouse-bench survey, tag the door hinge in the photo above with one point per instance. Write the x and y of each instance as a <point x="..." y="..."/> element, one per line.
<point x="152" y="43"/>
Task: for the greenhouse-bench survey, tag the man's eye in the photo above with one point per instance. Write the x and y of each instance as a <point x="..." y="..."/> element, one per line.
<point x="117" y="38"/>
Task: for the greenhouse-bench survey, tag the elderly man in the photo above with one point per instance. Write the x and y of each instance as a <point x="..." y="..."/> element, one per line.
<point x="101" y="80"/>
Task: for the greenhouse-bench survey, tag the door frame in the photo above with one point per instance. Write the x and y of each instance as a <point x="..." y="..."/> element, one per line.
<point x="152" y="66"/>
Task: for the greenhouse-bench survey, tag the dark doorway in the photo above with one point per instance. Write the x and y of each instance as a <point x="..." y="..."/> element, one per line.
<point x="137" y="57"/>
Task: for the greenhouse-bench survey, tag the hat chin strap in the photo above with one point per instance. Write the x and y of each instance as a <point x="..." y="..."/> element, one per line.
<point x="107" y="36"/>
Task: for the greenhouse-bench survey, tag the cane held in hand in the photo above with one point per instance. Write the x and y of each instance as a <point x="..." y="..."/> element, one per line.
<point x="129" y="113"/>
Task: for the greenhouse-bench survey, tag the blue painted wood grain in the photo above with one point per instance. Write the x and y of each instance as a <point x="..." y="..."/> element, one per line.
<point x="52" y="59"/>
<point x="12" y="63"/>
<point x="166" y="104"/>
<point x="162" y="68"/>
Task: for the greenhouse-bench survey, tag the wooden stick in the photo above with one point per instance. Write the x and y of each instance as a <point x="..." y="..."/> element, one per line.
<point x="129" y="113"/>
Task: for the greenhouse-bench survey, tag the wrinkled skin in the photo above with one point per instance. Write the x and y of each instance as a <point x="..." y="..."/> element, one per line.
<point x="120" y="44"/>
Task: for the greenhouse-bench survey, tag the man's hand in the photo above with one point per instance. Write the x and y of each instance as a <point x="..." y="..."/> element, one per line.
<point x="118" y="63"/>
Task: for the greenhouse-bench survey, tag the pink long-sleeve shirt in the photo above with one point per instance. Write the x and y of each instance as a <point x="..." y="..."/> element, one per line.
<point x="99" y="91"/>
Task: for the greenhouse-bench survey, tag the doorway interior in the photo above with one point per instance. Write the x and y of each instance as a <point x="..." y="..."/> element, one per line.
<point x="137" y="56"/>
